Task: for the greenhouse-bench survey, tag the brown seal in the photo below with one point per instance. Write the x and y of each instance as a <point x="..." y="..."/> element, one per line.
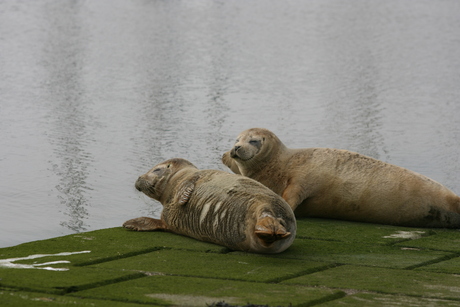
<point x="332" y="183"/>
<point x="215" y="206"/>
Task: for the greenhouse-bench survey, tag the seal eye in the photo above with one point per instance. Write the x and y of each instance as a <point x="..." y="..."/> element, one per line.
<point x="253" y="142"/>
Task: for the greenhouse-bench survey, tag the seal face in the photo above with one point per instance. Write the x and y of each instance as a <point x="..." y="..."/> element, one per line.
<point x="246" y="153"/>
<point x="215" y="206"/>
<point x="333" y="183"/>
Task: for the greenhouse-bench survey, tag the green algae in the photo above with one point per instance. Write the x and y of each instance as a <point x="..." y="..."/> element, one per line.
<point x="450" y="266"/>
<point x="330" y="263"/>
<point x="360" y="254"/>
<point x="443" y="240"/>
<point x="173" y="290"/>
<point x="375" y="299"/>
<point x="394" y="281"/>
<point x="353" y="232"/>
<point x="242" y="266"/>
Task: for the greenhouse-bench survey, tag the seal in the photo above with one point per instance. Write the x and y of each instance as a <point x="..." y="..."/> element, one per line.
<point x="340" y="184"/>
<point x="217" y="207"/>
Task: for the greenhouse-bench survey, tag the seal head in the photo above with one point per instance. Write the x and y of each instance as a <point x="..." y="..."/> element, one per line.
<point x="155" y="181"/>
<point x="253" y="149"/>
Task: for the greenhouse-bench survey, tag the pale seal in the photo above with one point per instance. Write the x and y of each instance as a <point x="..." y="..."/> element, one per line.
<point x="339" y="184"/>
<point x="216" y="206"/>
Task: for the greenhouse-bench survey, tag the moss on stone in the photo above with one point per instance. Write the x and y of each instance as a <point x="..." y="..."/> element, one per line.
<point x="382" y="280"/>
<point x="330" y="263"/>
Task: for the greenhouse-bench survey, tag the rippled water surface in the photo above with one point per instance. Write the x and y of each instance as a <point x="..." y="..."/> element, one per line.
<point x="94" y="93"/>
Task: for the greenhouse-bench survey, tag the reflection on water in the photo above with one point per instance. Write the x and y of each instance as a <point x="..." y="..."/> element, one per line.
<point x="94" y="93"/>
<point x="70" y="123"/>
<point x="353" y="74"/>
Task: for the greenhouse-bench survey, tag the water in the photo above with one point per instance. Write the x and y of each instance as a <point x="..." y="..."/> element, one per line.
<point x="94" y="93"/>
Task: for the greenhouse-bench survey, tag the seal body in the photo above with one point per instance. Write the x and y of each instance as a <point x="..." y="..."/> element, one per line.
<point x="218" y="207"/>
<point x="333" y="183"/>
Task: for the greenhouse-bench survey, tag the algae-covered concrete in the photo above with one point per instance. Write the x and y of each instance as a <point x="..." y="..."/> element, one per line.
<point x="331" y="263"/>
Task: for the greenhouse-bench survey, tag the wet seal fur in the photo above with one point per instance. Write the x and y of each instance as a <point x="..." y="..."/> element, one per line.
<point x="340" y="184"/>
<point x="216" y="206"/>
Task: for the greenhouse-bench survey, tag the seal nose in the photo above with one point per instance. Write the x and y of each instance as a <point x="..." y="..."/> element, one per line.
<point x="234" y="150"/>
<point x="138" y="184"/>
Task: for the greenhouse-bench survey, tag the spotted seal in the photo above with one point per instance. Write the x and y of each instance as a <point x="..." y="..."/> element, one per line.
<point x="340" y="184"/>
<point x="216" y="206"/>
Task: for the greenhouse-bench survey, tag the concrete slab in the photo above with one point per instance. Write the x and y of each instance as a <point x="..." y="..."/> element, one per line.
<point x="14" y="298"/>
<point x="109" y="244"/>
<point x="352" y="232"/>
<point x="249" y="267"/>
<point x="360" y="254"/>
<point x="331" y="263"/>
<point x="61" y="282"/>
<point x="442" y="239"/>
<point x="191" y="291"/>
<point x="451" y="266"/>
<point x="376" y="299"/>
<point x="394" y="281"/>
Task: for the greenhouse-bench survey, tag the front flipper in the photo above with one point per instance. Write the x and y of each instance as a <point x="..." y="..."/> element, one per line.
<point x="230" y="163"/>
<point x="269" y="229"/>
<point x="145" y="224"/>
<point x="294" y="195"/>
<point x="185" y="191"/>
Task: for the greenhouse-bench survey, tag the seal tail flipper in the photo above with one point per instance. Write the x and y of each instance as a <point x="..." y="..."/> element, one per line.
<point x="269" y="230"/>
<point x="145" y="224"/>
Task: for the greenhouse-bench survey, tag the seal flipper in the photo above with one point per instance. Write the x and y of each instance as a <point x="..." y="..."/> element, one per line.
<point x="145" y="224"/>
<point x="183" y="195"/>
<point x="294" y="195"/>
<point x="269" y="229"/>
<point x="185" y="191"/>
<point x="230" y="163"/>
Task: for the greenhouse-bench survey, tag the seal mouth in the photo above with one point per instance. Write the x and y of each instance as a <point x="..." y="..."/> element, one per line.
<point x="244" y="160"/>
<point x="143" y="186"/>
<point x="234" y="154"/>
